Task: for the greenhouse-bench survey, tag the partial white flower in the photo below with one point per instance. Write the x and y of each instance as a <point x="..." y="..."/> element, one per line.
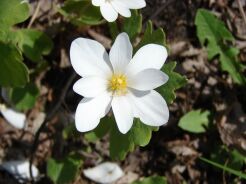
<point x="16" y="119"/>
<point x="104" y="173"/>
<point x="111" y="8"/>
<point x="119" y="81"/>
<point x="20" y="169"/>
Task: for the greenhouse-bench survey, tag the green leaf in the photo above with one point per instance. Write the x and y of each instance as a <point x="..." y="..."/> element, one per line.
<point x="8" y="36"/>
<point x="152" y="36"/>
<point x="81" y="12"/>
<point x="224" y="168"/>
<point x="120" y="144"/>
<point x="34" y="44"/>
<point x="64" y="171"/>
<point x="195" y="121"/>
<point x="152" y="180"/>
<point x="24" y="98"/>
<point x="102" y="129"/>
<point x="133" y="25"/>
<point x="13" y="12"/>
<point x="174" y="82"/>
<point x="13" y="72"/>
<point x="212" y="31"/>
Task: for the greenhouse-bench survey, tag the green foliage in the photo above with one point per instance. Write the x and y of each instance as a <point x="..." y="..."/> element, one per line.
<point x="225" y="168"/>
<point x="152" y="180"/>
<point x="195" y="121"/>
<point x="64" y="171"/>
<point x="102" y="129"/>
<point x="81" y="12"/>
<point x="152" y="36"/>
<point x="120" y="144"/>
<point x="174" y="82"/>
<point x="133" y="25"/>
<point x="34" y="44"/>
<point x="13" y="12"/>
<point x="212" y="31"/>
<point x="13" y="72"/>
<point x="24" y="98"/>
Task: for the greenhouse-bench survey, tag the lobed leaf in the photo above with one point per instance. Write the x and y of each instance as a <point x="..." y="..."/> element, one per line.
<point x="81" y="12"/>
<point x="64" y="171"/>
<point x="120" y="144"/>
<point x="152" y="36"/>
<point x="133" y="25"/>
<point x="13" y="12"/>
<point x="213" y="34"/>
<point x="24" y="98"/>
<point x="174" y="82"/>
<point x="195" y="121"/>
<point x="34" y="44"/>
<point x="13" y="72"/>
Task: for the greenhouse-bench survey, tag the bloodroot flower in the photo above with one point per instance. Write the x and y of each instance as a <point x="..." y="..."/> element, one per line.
<point x="119" y="81"/>
<point x="111" y="8"/>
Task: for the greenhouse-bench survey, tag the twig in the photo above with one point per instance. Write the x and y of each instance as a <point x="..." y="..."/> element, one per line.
<point x="105" y="41"/>
<point x="35" y="14"/>
<point x="47" y="119"/>
<point x="241" y="11"/>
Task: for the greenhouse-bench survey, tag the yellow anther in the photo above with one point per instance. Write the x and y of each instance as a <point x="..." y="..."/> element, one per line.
<point x="118" y="84"/>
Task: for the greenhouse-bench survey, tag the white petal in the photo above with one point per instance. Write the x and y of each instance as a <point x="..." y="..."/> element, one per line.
<point x="88" y="57"/>
<point x="16" y="119"/>
<point x="133" y="4"/>
<point x="97" y="2"/>
<point x="121" y="9"/>
<point x="148" y="56"/>
<point x="20" y="170"/>
<point x="123" y="113"/>
<point x="121" y="52"/>
<point x="90" y="86"/>
<point x="104" y="173"/>
<point x="148" y="79"/>
<point x="151" y="108"/>
<point x="90" y="111"/>
<point x="108" y="12"/>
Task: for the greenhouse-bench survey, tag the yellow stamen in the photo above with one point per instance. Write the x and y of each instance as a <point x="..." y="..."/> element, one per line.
<point x="118" y="84"/>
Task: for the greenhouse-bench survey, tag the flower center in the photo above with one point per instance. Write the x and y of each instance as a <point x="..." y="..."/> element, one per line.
<point x="118" y="84"/>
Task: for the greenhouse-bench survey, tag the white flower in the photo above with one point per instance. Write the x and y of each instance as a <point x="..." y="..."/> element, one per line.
<point x="20" y="169"/>
<point x="104" y="173"/>
<point x="119" y="81"/>
<point x="111" y="8"/>
<point x="16" y="119"/>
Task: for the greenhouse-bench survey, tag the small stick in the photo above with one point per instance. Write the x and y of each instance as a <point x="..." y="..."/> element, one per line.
<point x="34" y="15"/>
